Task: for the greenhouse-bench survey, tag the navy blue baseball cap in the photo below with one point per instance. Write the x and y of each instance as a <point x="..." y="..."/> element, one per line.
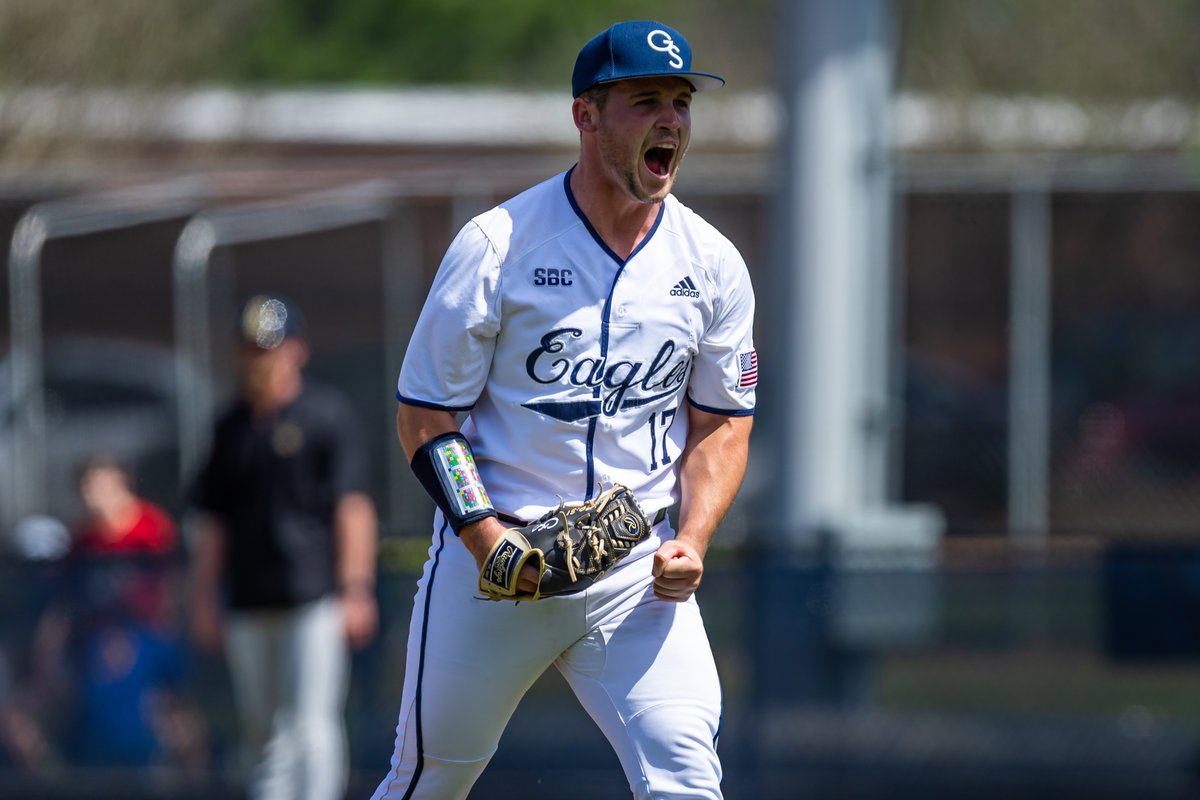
<point x="637" y="49"/>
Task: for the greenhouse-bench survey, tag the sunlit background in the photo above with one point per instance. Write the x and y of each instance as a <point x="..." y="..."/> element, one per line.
<point x="966" y="559"/>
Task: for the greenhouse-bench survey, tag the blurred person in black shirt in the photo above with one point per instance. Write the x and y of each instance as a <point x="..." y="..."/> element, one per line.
<point x="286" y="537"/>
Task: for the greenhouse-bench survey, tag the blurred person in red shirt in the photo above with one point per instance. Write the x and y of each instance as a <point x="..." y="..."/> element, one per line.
<point x="119" y="522"/>
<point x="119" y="649"/>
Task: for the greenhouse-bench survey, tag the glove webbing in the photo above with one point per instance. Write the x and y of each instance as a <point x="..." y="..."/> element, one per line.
<point x="591" y="540"/>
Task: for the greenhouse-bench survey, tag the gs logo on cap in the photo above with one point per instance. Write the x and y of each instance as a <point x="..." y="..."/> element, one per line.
<point x="662" y="42"/>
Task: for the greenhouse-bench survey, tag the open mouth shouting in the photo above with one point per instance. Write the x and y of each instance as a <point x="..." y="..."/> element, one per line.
<point x="659" y="160"/>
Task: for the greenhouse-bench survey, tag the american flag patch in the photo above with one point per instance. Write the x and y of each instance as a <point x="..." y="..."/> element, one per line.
<point x="748" y="369"/>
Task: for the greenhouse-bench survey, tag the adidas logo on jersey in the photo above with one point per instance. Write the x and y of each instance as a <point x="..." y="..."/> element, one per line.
<point x="685" y="288"/>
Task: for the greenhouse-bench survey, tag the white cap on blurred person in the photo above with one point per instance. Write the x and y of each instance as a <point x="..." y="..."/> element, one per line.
<point x="266" y="320"/>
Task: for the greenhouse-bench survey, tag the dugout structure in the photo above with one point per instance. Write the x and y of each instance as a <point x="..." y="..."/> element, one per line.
<point x="73" y="275"/>
<point x="340" y="255"/>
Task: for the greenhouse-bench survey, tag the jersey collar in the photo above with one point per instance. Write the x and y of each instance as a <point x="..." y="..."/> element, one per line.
<point x="595" y="236"/>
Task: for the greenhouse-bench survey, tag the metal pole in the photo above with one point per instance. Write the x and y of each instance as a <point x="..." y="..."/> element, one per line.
<point x="194" y="251"/>
<point x="28" y="462"/>
<point x="1029" y="366"/>
<point x="828" y="291"/>
<point x="43" y="223"/>
<point x="192" y="340"/>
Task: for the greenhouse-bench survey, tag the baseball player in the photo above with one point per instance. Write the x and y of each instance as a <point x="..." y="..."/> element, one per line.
<point x="598" y="335"/>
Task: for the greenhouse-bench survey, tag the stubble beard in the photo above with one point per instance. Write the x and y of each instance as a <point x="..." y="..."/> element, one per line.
<point x="625" y="170"/>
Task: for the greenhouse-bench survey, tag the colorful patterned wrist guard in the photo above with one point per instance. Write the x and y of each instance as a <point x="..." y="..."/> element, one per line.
<point x="445" y="466"/>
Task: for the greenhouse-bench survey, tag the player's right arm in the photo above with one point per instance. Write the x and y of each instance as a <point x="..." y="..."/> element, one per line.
<point x="415" y="426"/>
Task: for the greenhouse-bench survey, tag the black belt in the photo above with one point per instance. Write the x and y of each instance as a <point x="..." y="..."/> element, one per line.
<point x="511" y="520"/>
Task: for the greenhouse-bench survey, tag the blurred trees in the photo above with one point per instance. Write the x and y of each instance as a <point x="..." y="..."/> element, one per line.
<point x="524" y="43"/>
<point x="1089" y="49"/>
<point x="1092" y="50"/>
<point x="53" y="43"/>
<point x="506" y="42"/>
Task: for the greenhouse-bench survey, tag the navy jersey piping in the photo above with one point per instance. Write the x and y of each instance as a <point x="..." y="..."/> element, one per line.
<point x="606" y="314"/>
<point x="599" y="241"/>
<point x="724" y="412"/>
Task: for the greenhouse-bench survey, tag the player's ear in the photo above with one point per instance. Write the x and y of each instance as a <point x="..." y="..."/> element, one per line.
<point x="585" y="114"/>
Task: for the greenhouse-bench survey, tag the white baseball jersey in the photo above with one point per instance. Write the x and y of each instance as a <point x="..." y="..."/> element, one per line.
<point x="575" y="364"/>
<point x="577" y="367"/>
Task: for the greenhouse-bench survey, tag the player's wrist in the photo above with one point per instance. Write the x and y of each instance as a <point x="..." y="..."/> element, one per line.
<point x="480" y="536"/>
<point x="697" y="545"/>
<point x="357" y="589"/>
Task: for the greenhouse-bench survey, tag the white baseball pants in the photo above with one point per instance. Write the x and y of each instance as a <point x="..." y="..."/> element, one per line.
<point x="290" y="670"/>
<point x="640" y="666"/>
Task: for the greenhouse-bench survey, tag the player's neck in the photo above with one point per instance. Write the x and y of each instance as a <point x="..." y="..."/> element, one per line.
<point x="621" y="221"/>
